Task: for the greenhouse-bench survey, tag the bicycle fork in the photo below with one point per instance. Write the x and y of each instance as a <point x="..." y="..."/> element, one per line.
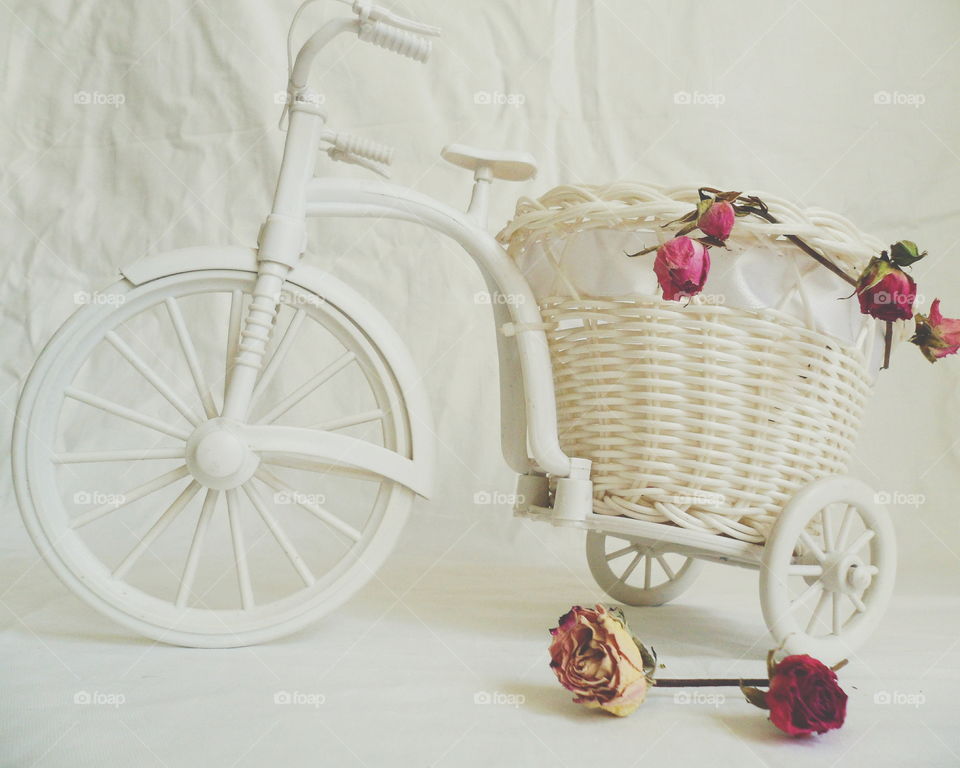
<point x="282" y="243"/>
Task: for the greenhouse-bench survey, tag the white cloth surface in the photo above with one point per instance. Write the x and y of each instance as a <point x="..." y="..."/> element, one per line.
<point x="815" y="104"/>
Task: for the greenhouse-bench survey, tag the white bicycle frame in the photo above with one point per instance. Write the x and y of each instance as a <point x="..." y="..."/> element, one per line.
<point x="528" y="409"/>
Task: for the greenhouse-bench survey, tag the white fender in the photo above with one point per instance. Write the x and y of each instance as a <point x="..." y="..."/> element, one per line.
<point x="347" y="301"/>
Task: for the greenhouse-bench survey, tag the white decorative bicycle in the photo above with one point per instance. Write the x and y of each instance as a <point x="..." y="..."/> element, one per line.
<point x="242" y="510"/>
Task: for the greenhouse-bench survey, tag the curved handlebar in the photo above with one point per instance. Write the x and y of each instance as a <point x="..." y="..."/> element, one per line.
<point x="373" y="24"/>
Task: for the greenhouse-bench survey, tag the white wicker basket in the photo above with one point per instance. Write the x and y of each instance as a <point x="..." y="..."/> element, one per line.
<point x="702" y="415"/>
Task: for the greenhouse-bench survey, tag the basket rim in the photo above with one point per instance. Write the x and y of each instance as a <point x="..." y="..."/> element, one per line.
<point x="569" y="209"/>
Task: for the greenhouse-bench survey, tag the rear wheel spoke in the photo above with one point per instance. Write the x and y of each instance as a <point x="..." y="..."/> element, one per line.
<point x="815" y="616"/>
<point x="628" y="572"/>
<point x="621" y="552"/>
<point x="233" y="336"/>
<point x="666" y="567"/>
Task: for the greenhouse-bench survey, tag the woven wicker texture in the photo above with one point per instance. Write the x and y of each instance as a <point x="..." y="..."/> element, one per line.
<point x="705" y="416"/>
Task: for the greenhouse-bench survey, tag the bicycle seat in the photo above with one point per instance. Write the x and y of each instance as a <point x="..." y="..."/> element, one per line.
<point x="506" y="165"/>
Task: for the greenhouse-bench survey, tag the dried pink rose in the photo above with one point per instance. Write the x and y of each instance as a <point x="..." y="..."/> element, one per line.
<point x="681" y="266"/>
<point x="717" y="221"/>
<point x="936" y="335"/>
<point x="885" y="291"/>
<point x="594" y="655"/>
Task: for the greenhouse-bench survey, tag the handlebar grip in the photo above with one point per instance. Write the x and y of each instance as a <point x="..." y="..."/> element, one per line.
<point x="400" y="41"/>
<point x="362" y="147"/>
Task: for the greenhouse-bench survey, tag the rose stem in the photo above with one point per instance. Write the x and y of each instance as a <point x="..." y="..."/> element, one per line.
<point x="685" y="682"/>
<point x="807" y="249"/>
<point x="887" y="343"/>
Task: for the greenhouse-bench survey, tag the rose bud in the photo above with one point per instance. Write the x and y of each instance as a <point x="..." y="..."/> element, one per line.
<point x="681" y="266"/>
<point x="594" y="655"/>
<point x="804" y="697"/>
<point x="717" y="221"/>
<point x="886" y="292"/>
<point x="936" y="335"/>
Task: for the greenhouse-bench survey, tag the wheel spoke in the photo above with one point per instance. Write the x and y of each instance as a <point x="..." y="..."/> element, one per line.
<point x="130" y="454"/>
<point x="148" y="373"/>
<point x="349" y="421"/>
<point x="857" y="603"/>
<point x="812" y="546"/>
<point x="860" y="542"/>
<point x="845" y="527"/>
<point x="647" y="571"/>
<point x="837" y="624"/>
<point x="233" y="336"/>
<point x="801" y="569"/>
<point x="666" y="567"/>
<point x="621" y="552"/>
<point x="190" y="353"/>
<point x="815" y="616"/>
<point x="327" y="517"/>
<point x="631" y="568"/>
<point x="115" y="409"/>
<point x="811" y="589"/>
<point x="285" y="544"/>
<point x="279" y="354"/>
<point x="307" y="388"/>
<point x="162" y="481"/>
<point x="828" y="541"/>
<point x="239" y="550"/>
<point x="196" y="546"/>
<point x="158" y="527"/>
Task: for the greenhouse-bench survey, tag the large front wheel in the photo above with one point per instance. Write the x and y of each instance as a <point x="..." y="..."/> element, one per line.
<point x="123" y="503"/>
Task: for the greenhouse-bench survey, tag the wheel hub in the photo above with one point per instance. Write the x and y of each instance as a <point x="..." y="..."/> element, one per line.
<point x="846" y="573"/>
<point x="218" y="458"/>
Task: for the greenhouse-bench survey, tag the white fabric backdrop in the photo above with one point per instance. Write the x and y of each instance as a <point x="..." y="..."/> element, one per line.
<point x="785" y="96"/>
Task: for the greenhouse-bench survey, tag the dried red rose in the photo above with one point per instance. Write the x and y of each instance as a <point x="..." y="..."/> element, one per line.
<point x="681" y="266"/>
<point x="804" y="696"/>
<point x="885" y="291"/>
<point x="717" y="220"/>
<point x="594" y="655"/>
<point x="936" y="335"/>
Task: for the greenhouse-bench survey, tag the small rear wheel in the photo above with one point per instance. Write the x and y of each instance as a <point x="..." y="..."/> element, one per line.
<point x="636" y="573"/>
<point x="828" y="569"/>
